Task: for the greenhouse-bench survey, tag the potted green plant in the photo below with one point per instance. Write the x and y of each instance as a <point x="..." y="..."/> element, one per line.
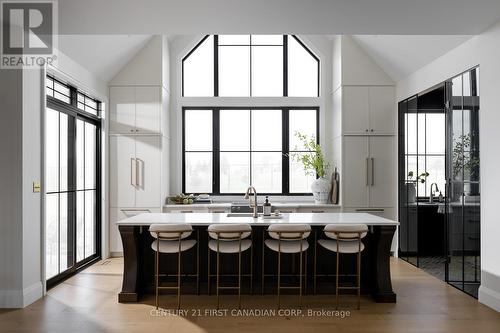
<point x="314" y="164"/>
<point x="411" y="190"/>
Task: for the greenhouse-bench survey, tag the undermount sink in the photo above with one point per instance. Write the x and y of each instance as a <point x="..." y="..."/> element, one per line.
<point x="241" y="215"/>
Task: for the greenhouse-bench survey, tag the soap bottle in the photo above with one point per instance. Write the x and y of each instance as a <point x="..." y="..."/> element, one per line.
<point x="441" y="198"/>
<point x="267" y="207"/>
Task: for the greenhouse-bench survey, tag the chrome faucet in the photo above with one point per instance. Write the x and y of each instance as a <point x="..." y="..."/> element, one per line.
<point x="431" y="197"/>
<point x="247" y="196"/>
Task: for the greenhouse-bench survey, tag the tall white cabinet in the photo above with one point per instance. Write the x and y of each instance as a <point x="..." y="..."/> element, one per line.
<point x="367" y="143"/>
<point x="137" y="154"/>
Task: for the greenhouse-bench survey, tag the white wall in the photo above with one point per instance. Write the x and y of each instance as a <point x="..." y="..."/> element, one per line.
<point x="482" y="50"/>
<point x="182" y="44"/>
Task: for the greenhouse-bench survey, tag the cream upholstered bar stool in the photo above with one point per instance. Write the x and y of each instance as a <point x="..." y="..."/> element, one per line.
<point x="288" y="239"/>
<point x="344" y="239"/>
<point x="171" y="239"/>
<point x="229" y="239"/>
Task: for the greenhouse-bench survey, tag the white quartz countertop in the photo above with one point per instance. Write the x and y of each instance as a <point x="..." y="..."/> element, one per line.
<point x="211" y="218"/>
<point x="274" y="204"/>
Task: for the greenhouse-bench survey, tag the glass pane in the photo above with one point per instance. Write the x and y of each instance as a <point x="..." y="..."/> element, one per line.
<point x="198" y="130"/>
<point x="421" y="187"/>
<point x="299" y="181"/>
<point x="266" y="130"/>
<point x="303" y="122"/>
<point x="435" y="133"/>
<point x="421" y="133"/>
<point x="267" y="71"/>
<point x="80" y="225"/>
<point x="198" y="70"/>
<point x="234" y="39"/>
<point x="234" y="130"/>
<point x="234" y="172"/>
<point x="63" y="151"/>
<point x="64" y="245"/>
<point x="466" y="84"/>
<point x="267" y="39"/>
<point x="411" y="133"/>
<point x="90" y="222"/>
<point x="303" y="75"/>
<point x="90" y="156"/>
<point x="51" y="235"/>
<point x="62" y="97"/>
<point x="80" y="154"/>
<point x="267" y="172"/>
<point x="198" y="172"/>
<point x="234" y="71"/>
<point x="51" y="150"/>
<point x="436" y="169"/>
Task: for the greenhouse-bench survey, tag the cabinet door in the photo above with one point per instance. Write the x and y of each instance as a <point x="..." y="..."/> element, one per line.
<point x="355" y="115"/>
<point x="382" y="171"/>
<point x="148" y="155"/>
<point x="382" y="110"/>
<point x="122" y="110"/>
<point x="147" y="111"/>
<point x="122" y="171"/>
<point x="355" y="175"/>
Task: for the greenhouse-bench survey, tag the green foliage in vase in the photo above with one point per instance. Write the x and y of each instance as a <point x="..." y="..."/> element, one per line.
<point x="421" y="178"/>
<point x="313" y="161"/>
<point x="463" y="156"/>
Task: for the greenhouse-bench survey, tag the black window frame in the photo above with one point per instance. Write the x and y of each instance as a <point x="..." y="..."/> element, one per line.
<point x="285" y="65"/>
<point x="71" y="109"/>
<point x="216" y="146"/>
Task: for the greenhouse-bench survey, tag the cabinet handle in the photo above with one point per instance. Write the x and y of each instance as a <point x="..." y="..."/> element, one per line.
<point x="317" y="211"/>
<point x="371" y="130"/>
<point x="373" y="173"/>
<point x="137" y="173"/>
<point x="369" y="209"/>
<point x="366" y="169"/>
<point x="132" y="182"/>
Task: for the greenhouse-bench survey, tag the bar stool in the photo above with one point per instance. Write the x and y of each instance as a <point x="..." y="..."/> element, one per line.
<point x="289" y="239"/>
<point x="344" y="238"/>
<point x="229" y="239"/>
<point x="170" y="239"/>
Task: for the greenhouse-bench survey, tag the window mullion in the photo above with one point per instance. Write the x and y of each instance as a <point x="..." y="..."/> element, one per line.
<point x="216" y="151"/>
<point x="216" y="65"/>
<point x="285" y="65"/>
<point x="285" y="158"/>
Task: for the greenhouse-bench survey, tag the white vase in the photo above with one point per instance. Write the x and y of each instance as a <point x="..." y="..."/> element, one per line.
<point x="411" y="193"/>
<point x="321" y="188"/>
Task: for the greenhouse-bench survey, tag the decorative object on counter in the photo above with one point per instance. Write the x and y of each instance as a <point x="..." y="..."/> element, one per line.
<point x="314" y="164"/>
<point x="203" y="198"/>
<point x="182" y="199"/>
<point x="411" y="189"/>
<point x="335" y="187"/>
<point x="266" y="209"/>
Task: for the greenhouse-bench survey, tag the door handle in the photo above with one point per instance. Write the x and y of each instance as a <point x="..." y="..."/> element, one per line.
<point x="132" y="182"/>
<point x="373" y="172"/>
<point x="367" y="171"/>
<point x="137" y="172"/>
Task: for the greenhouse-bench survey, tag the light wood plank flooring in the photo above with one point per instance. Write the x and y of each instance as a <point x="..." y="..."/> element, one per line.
<point x="88" y="303"/>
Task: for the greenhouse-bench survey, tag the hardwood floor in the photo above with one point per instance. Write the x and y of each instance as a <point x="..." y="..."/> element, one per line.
<point x="88" y="303"/>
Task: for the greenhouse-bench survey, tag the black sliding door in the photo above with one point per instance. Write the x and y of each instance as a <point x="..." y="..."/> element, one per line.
<point x="72" y="183"/>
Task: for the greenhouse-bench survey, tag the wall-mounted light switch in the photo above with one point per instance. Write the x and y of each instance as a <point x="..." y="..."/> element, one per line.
<point x="36" y="187"/>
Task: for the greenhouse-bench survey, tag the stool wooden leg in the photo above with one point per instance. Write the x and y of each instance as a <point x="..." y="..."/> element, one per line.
<point x="263" y="259"/>
<point x="156" y="272"/>
<point x="208" y="279"/>
<point x="359" y="278"/>
<point x="179" y="280"/>
<point x="279" y="277"/>
<point x="198" y="262"/>
<point x="218" y="271"/>
<point x="239" y="277"/>
<point x="300" y="279"/>
<point x="315" y="260"/>
<point x="337" y="282"/>
<point x="305" y="272"/>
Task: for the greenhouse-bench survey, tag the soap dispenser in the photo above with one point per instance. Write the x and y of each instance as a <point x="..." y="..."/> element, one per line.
<point x="267" y="207"/>
<point x="441" y="198"/>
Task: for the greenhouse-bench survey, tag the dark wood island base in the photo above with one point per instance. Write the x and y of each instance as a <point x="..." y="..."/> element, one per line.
<point x="139" y="265"/>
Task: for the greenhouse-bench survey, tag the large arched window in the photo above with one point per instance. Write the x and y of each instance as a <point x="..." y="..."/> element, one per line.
<point x="250" y="66"/>
<point x="225" y="149"/>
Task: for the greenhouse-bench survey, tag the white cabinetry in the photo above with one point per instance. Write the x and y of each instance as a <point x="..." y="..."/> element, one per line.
<point x="135" y="110"/>
<point x="368" y="110"/>
<point x="135" y="169"/>
<point x="369" y="171"/>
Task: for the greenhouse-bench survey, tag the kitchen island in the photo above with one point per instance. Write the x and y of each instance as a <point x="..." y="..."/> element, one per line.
<point x="139" y="264"/>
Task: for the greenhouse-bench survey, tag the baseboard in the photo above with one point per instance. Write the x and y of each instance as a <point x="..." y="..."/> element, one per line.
<point x="489" y="291"/>
<point x="15" y="299"/>
<point x="116" y="254"/>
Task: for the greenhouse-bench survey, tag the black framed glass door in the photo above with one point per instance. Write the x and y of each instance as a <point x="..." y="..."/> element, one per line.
<point x="72" y="185"/>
